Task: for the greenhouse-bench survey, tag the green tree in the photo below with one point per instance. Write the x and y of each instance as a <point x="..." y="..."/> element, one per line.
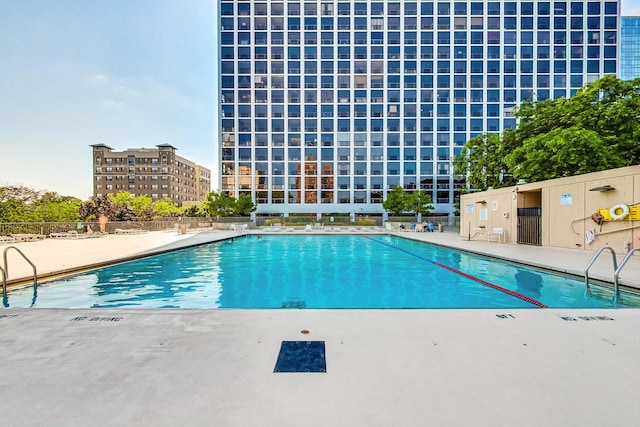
<point x="52" y="207"/>
<point x="395" y="201"/>
<point x="194" y="211"/>
<point x="122" y="206"/>
<point x="122" y="198"/>
<point x="103" y="205"/>
<point x="482" y="162"/>
<point x="418" y="202"/>
<point x="598" y="128"/>
<point x="143" y="207"/>
<point x="15" y="210"/>
<point x="23" y="204"/>
<point x="218" y="204"/>
<point x="244" y="205"/>
<point x="562" y="152"/>
<point x="165" y="207"/>
<point x="135" y="207"/>
<point x="21" y="193"/>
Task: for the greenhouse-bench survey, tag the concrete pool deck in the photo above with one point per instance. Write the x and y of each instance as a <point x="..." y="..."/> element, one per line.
<point x="495" y="367"/>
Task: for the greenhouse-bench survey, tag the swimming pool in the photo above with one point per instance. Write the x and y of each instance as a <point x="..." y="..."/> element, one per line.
<point x="318" y="271"/>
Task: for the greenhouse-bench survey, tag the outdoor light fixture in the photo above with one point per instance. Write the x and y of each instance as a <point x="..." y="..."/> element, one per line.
<point x="482" y="202"/>
<point x="603" y="189"/>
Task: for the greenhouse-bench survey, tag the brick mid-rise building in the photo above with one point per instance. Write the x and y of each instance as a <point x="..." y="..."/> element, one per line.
<point x="155" y="172"/>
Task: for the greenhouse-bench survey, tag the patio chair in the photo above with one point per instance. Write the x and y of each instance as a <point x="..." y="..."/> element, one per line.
<point x="27" y="237"/>
<point x="62" y="234"/>
<point x="496" y="231"/>
<point x="6" y="239"/>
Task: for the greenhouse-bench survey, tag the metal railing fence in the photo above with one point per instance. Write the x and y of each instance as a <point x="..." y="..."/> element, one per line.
<point x="46" y="228"/>
<point x="221" y="223"/>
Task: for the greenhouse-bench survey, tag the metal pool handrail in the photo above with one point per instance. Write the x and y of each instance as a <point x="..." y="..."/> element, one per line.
<point x="5" y="273"/>
<point x="5" y="301"/>
<point x="616" y="273"/>
<point x="593" y="259"/>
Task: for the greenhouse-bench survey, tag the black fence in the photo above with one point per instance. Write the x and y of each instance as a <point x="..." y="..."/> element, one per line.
<point x="191" y="223"/>
<point x="358" y="220"/>
<point x="301" y="220"/>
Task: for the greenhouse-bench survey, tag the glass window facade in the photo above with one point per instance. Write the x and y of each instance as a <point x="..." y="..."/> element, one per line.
<point x="629" y="47"/>
<point x="348" y="98"/>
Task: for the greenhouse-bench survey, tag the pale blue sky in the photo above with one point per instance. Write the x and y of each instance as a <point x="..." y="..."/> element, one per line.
<point x="630" y="7"/>
<point x="126" y="73"/>
<point x="123" y="73"/>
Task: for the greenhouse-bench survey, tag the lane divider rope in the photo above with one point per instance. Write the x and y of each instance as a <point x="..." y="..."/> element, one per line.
<point x="463" y="274"/>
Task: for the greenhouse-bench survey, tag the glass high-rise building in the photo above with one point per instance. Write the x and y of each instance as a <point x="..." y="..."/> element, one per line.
<point x="327" y="105"/>
<point x="629" y="47"/>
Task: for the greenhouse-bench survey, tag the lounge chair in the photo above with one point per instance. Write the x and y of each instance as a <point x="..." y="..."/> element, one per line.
<point x="135" y="230"/>
<point x="205" y="226"/>
<point x="388" y="226"/>
<point x="308" y="227"/>
<point x="6" y="239"/>
<point x="27" y="237"/>
<point x="496" y="231"/>
<point x="71" y="234"/>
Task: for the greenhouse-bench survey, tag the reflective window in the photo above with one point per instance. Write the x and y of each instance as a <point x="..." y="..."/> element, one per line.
<point x="526" y="8"/>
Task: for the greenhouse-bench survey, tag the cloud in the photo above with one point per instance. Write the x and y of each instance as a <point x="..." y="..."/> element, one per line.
<point x="112" y="103"/>
<point x="50" y="130"/>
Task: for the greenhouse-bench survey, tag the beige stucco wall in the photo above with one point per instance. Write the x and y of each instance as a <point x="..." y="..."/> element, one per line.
<point x="567" y="206"/>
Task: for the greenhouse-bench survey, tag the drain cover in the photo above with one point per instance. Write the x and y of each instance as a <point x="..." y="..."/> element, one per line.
<point x="301" y="356"/>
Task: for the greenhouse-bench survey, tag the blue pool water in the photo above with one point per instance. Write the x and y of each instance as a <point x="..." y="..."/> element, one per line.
<point x="316" y="271"/>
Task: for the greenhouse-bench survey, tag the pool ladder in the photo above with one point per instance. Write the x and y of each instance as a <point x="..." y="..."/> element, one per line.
<point x="616" y="268"/>
<point x="5" y="273"/>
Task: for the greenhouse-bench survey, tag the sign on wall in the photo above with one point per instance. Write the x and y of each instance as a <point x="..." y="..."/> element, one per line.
<point x="484" y="214"/>
<point x="566" y="199"/>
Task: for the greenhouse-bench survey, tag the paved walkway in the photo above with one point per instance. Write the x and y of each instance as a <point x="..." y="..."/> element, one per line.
<point x="527" y="367"/>
<point x="571" y="261"/>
